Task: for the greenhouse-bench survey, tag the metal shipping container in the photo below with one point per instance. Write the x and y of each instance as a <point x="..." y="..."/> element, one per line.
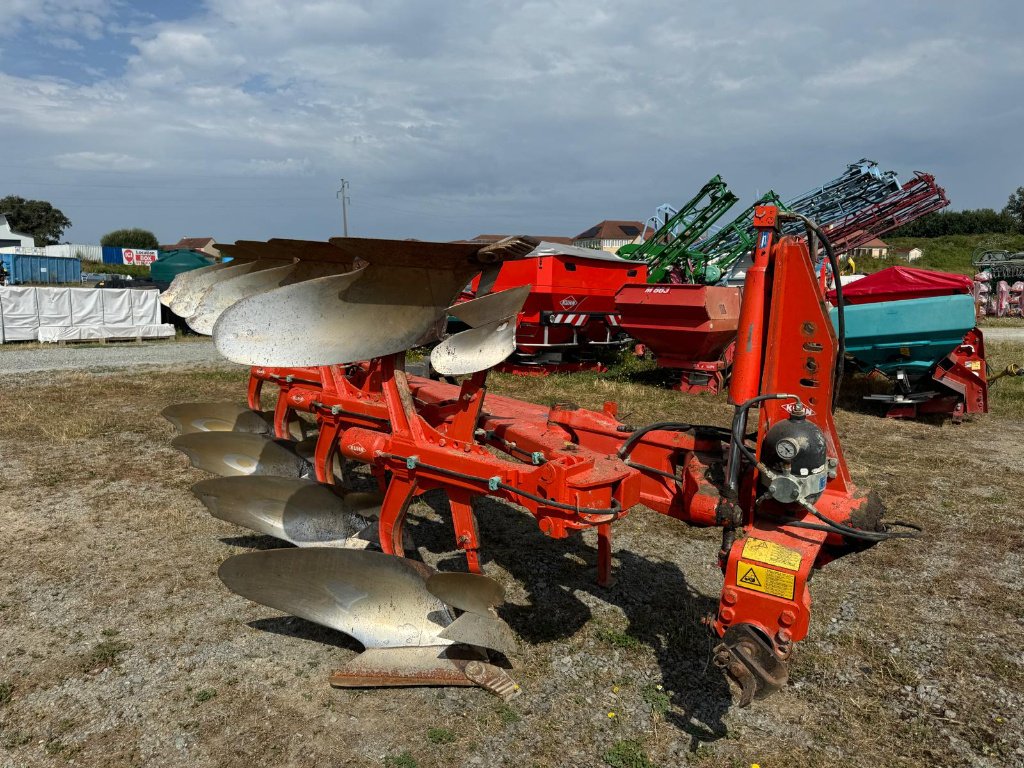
<point x="47" y="270"/>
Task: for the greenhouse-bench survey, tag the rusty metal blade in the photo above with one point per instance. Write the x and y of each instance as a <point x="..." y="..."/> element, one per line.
<point x="401" y="667"/>
<point x="471" y="592"/>
<point x="378" y="599"/>
<point x="302" y="512"/>
<point x="181" y="281"/>
<point x="239" y="453"/>
<point x="217" y="417"/>
<point x="222" y="295"/>
<point x="286" y="249"/>
<point x="187" y="299"/>
<point x="482" y="632"/>
<point x="425" y="665"/>
<point x="394" y="303"/>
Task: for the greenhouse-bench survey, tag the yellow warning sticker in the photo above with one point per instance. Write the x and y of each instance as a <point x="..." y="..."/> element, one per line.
<point x="772" y="553"/>
<point x="761" y="579"/>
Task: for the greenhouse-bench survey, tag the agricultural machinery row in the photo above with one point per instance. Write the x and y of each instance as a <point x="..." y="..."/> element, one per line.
<point x="354" y="438"/>
<point x="678" y="295"/>
<point x="999" y="284"/>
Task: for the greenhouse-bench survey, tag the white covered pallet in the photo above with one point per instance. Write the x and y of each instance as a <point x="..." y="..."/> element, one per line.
<point x="73" y="314"/>
<point x="98" y="332"/>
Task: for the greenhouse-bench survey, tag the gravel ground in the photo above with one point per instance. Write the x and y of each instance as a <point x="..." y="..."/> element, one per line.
<point x="28" y="359"/>
<point x="1014" y="335"/>
<point x="120" y="647"/>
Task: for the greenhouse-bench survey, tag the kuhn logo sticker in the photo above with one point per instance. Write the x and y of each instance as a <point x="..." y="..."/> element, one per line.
<point x="357" y="449"/>
<point x="568" y="302"/>
<point x="788" y="408"/>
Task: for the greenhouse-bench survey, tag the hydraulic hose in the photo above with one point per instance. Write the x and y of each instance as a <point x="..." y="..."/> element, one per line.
<point x="668" y="426"/>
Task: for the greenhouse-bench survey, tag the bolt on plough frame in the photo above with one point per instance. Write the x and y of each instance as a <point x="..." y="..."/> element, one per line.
<point x="328" y="324"/>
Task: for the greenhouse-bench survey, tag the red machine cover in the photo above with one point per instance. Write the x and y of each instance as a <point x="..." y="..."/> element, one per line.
<point x="896" y="283"/>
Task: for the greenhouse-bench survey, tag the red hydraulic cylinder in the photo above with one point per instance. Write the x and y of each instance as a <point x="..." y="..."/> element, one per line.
<point x="746" y="370"/>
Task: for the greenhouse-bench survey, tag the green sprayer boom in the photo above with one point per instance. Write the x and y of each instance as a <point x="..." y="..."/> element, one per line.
<point x="664" y="250"/>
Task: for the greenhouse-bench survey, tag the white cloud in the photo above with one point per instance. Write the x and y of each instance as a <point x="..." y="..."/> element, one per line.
<point x="517" y="113"/>
<point x="102" y="161"/>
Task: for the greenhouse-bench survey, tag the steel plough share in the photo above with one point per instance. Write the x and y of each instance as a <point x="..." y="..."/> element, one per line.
<point x="328" y="325"/>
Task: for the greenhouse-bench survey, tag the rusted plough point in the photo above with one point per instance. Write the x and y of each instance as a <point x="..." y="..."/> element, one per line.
<point x="328" y="325"/>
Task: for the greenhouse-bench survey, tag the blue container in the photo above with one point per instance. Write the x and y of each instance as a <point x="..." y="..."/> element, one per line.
<point x="45" y="270"/>
<point x="912" y="335"/>
<point x="112" y="255"/>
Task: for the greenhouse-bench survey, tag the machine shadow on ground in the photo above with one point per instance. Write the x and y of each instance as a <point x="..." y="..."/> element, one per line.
<point x="662" y="610"/>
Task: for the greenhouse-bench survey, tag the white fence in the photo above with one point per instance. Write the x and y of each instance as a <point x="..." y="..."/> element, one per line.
<point x="64" y="251"/>
<point x="76" y="314"/>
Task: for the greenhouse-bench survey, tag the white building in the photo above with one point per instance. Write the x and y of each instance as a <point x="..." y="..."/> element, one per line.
<point x="609" y="235"/>
<point x="914" y="254"/>
<point x="9" y="238"/>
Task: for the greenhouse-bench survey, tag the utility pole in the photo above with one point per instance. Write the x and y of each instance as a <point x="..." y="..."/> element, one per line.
<point x="341" y="193"/>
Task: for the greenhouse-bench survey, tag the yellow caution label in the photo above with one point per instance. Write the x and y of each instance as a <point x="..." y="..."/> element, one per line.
<point x="772" y="553"/>
<point x="973" y="365"/>
<point x="767" y="580"/>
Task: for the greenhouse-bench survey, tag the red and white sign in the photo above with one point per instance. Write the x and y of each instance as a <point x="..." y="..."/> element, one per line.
<point x="138" y="256"/>
<point x="568" y="302"/>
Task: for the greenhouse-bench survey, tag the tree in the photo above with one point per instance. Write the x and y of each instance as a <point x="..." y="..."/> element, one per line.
<point x="131" y="238"/>
<point x="35" y="217"/>
<point x="1015" y="208"/>
<point x="970" y="222"/>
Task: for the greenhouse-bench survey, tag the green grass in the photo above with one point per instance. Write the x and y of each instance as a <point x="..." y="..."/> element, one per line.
<point x="952" y="253"/>
<point x="115" y="269"/>
<point x="440" y="736"/>
<point x="656" y="698"/>
<point x="619" y="639"/>
<point x="6" y="689"/>
<point x="404" y="760"/>
<point x="205" y="695"/>
<point x="12" y="739"/>
<point x="507" y="715"/>
<point x="106" y="653"/>
<point x="627" y="754"/>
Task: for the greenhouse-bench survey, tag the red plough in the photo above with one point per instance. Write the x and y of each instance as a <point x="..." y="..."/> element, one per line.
<point x="782" y="496"/>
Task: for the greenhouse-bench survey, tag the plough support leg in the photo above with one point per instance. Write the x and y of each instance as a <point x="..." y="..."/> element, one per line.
<point x="466" y="534"/>
<point x="399" y="495"/>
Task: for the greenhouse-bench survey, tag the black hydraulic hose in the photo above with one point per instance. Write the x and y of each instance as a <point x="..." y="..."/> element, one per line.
<point x="736" y="443"/>
<point x="668" y="426"/>
<point x="814" y="230"/>
<point x="856" y="533"/>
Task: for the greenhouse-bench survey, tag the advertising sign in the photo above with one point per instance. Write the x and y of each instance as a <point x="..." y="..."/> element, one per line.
<point x="138" y="256"/>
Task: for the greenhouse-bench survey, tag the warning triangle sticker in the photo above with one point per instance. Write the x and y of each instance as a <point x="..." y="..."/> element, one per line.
<point x="750" y="578"/>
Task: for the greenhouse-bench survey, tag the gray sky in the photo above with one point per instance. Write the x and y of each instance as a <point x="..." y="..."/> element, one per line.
<point x="236" y="118"/>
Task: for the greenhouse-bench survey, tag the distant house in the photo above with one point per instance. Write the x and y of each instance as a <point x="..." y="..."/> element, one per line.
<point x="609" y="235"/>
<point x="11" y="239"/>
<point x="914" y="254"/>
<point x="198" y="244"/>
<point x="876" y="249"/>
